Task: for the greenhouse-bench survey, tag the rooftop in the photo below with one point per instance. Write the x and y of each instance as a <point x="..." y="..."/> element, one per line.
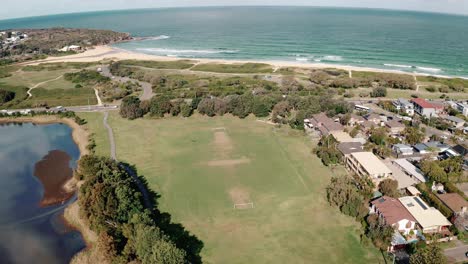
<point x="425" y="104"/>
<point x="350" y="147"/>
<point x="454" y="119"/>
<point x="410" y="169"/>
<point x="413" y="190"/>
<point x="453" y="200"/>
<point x="371" y="163"/>
<point x="323" y="120"/>
<point x="460" y="149"/>
<point x="426" y="216"/>
<point x="341" y="136"/>
<point x="392" y="210"/>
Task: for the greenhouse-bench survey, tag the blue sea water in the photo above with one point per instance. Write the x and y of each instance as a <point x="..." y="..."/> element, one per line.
<point x="409" y="41"/>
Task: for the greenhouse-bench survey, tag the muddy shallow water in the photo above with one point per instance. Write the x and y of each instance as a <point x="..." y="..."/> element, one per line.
<point x="35" y="161"/>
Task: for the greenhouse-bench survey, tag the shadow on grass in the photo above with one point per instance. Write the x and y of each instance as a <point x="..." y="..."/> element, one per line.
<point x="176" y="231"/>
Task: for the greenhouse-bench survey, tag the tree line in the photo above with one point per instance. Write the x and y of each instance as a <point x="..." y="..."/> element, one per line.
<point x="113" y="206"/>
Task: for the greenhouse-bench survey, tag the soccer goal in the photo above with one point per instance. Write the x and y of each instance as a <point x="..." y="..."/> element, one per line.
<point x="244" y="206"/>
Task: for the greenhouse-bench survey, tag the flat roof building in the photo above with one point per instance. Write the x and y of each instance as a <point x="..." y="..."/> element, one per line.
<point x="410" y="169"/>
<point x="430" y="219"/>
<point x="367" y="164"/>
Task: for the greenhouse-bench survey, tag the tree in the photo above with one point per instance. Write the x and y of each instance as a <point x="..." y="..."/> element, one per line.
<point x="380" y="233"/>
<point x="160" y="105"/>
<point x="6" y="96"/>
<point x="342" y="192"/>
<point x="130" y="108"/>
<point x="186" y="110"/>
<point x="413" y="135"/>
<point x="379" y="92"/>
<point x="389" y="187"/>
<point x="432" y="254"/>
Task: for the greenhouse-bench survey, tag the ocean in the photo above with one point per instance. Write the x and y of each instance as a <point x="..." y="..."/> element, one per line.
<point x="428" y="43"/>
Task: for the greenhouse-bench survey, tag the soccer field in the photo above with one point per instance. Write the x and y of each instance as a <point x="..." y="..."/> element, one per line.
<point x="251" y="192"/>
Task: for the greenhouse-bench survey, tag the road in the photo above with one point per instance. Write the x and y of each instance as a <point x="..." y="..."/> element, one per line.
<point x="147" y="87"/>
<point x="456" y="254"/>
<point x="376" y="109"/>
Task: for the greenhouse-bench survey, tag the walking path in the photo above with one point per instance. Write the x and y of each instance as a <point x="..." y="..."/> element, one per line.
<point x="41" y="83"/>
<point x="99" y="101"/>
<point x="131" y="172"/>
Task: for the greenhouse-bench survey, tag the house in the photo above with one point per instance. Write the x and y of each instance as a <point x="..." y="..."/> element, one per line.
<point x="462" y="108"/>
<point x="347" y="148"/>
<point x="366" y="164"/>
<point x="410" y="170"/>
<point x="412" y="191"/>
<point x="342" y="136"/>
<point x="431" y="147"/>
<point x="376" y="119"/>
<point x="402" y="150"/>
<point x="324" y="124"/>
<point x="394" y="214"/>
<point x="428" y="218"/>
<point x="437" y="187"/>
<point x="404" y="106"/>
<point x="461" y="150"/>
<point x="71" y="48"/>
<point x="425" y="108"/>
<point x="455" y="202"/>
<point x="355" y="120"/>
<point x="454" y="121"/>
<point x="395" y="127"/>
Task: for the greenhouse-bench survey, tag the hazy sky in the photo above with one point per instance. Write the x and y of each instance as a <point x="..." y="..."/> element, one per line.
<point x="23" y="8"/>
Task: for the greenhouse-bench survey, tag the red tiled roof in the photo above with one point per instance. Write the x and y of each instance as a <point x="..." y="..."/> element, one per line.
<point x="392" y="210"/>
<point x="425" y="104"/>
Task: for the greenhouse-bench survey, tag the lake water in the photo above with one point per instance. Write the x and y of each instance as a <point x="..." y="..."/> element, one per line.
<point x="29" y="233"/>
<point x="399" y="40"/>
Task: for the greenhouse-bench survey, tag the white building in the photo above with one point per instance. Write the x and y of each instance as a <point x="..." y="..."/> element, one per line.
<point x="71" y="48"/>
<point x="429" y="219"/>
<point x="366" y="164"/>
<point x="404" y="105"/>
<point x="463" y="108"/>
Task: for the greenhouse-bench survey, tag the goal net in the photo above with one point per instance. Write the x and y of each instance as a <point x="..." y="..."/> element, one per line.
<point x="244" y="206"/>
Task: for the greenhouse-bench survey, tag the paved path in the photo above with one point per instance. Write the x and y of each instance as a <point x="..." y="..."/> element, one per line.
<point x="147" y="87"/>
<point x="99" y="101"/>
<point x="130" y="171"/>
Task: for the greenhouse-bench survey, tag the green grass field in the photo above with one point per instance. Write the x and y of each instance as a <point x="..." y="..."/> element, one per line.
<point x="31" y="78"/>
<point x="203" y="166"/>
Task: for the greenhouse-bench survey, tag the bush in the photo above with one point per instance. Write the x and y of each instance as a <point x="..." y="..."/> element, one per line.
<point x="130" y="108"/>
<point x="379" y="92"/>
<point x="6" y="96"/>
<point x="431" y="89"/>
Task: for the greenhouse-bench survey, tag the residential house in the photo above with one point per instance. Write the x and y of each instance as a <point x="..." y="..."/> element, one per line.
<point x="402" y="150"/>
<point x="376" y="119"/>
<point x="71" y="48"/>
<point x="395" y="127"/>
<point x="455" y="202"/>
<point x="394" y="214"/>
<point x="405" y="106"/>
<point x="428" y="218"/>
<point x="410" y="170"/>
<point x="431" y="147"/>
<point x="355" y="120"/>
<point x="437" y="187"/>
<point x="342" y="136"/>
<point x="324" y="124"/>
<point x="454" y="121"/>
<point x="413" y="191"/>
<point x="366" y="164"/>
<point x="425" y="108"/>
<point x="347" y="148"/>
<point x="463" y="108"/>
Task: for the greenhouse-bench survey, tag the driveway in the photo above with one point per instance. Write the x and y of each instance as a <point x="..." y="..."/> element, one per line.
<point x="403" y="179"/>
<point x="456" y="254"/>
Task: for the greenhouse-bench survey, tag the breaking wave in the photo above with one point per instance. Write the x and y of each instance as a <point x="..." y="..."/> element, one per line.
<point x="398" y="65"/>
<point x="164" y="51"/>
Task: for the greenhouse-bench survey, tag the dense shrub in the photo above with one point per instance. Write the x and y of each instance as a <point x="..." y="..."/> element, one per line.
<point x="6" y="96"/>
<point x="130" y="108"/>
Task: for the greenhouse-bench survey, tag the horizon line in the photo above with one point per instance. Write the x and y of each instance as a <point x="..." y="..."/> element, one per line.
<point x="228" y="6"/>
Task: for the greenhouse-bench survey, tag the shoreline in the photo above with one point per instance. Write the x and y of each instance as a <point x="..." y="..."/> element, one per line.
<point x="99" y="53"/>
<point x="71" y="214"/>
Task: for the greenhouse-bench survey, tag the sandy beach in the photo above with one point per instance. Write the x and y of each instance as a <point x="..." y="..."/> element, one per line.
<point x="99" y="53"/>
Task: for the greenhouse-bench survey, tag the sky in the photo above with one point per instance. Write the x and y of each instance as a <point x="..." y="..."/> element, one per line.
<point x="25" y="8"/>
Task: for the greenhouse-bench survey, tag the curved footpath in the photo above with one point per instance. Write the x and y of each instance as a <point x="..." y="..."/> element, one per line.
<point x="141" y="186"/>
<point x="147" y="87"/>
